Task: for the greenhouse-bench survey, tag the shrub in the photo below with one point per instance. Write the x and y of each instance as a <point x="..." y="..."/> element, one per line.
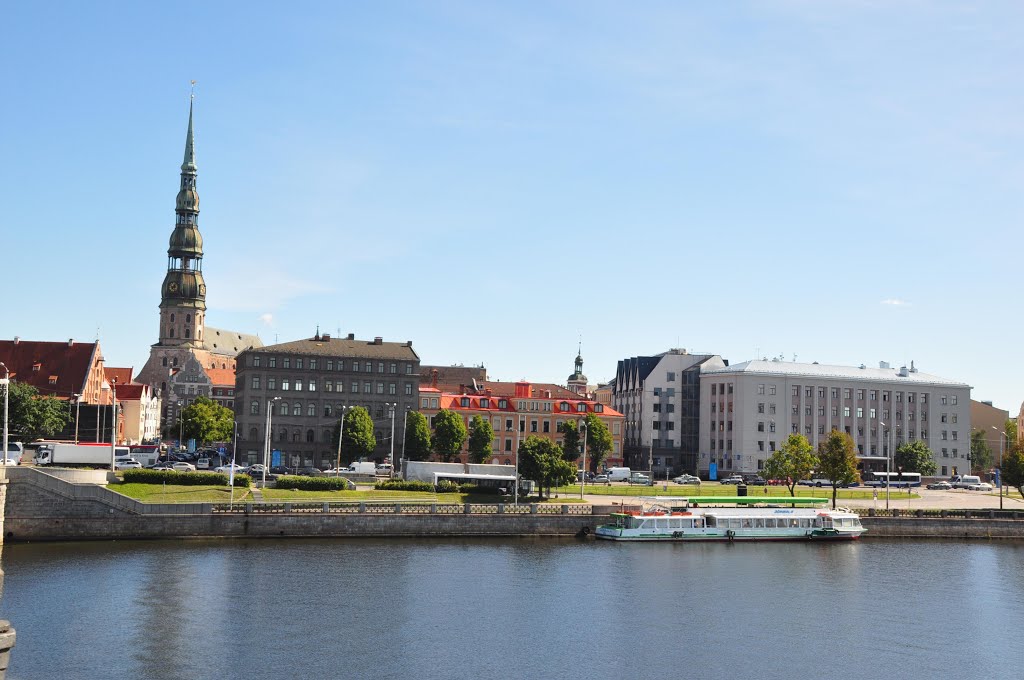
<point x="143" y="476"/>
<point x="403" y="485"/>
<point x="301" y="483"/>
<point x="447" y="486"/>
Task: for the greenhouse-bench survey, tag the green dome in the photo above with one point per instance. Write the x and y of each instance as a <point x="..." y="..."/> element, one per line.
<point x="186" y="240"/>
<point x="184" y="286"/>
<point x="187" y="200"/>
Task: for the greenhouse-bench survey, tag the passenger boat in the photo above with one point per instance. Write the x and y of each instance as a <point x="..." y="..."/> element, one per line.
<point x="727" y="518"/>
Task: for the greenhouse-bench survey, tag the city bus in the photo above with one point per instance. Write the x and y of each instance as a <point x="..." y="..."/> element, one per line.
<point x="896" y="479"/>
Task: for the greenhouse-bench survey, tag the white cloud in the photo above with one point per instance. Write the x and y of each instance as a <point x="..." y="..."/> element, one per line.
<point x="896" y="302"/>
<point x="267" y="318"/>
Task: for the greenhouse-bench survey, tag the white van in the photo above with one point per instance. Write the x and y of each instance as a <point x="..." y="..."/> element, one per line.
<point x="619" y="474"/>
<point x="964" y="481"/>
<point x="203" y="464"/>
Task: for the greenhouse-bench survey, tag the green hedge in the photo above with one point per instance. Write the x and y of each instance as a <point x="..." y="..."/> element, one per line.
<point x="143" y="476"/>
<point x="403" y="485"/>
<point x="300" y="483"/>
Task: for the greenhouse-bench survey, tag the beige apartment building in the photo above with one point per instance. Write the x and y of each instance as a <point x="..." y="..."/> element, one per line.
<point x="748" y="410"/>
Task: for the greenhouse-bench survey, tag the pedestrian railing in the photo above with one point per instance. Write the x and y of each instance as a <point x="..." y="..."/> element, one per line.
<point x="407" y="508"/>
<point x="976" y="513"/>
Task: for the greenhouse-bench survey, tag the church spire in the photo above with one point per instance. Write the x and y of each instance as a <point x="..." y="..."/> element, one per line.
<point x="189" y="163"/>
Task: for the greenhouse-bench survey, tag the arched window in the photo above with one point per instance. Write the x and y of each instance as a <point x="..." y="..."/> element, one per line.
<point x="508" y="461"/>
<point x="172" y="317"/>
<point x="254" y="408"/>
<point x="380" y="412"/>
<point x="310" y="436"/>
<point x="170" y="332"/>
<point x="188" y="318"/>
<point x="165" y="361"/>
<point x="297" y="408"/>
<point x="311" y="409"/>
<point x="175" y="361"/>
<point x="253" y="433"/>
<point x="327" y="435"/>
<point x="327" y="410"/>
<point x="297" y="436"/>
<point x="284" y="408"/>
<point x="188" y="333"/>
<point x="163" y="385"/>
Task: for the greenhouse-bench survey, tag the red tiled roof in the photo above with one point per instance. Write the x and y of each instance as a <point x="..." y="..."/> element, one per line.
<point x="222" y="377"/>
<point x="122" y="375"/>
<point x="508" y="390"/>
<point x="130" y="392"/>
<point x="54" y="368"/>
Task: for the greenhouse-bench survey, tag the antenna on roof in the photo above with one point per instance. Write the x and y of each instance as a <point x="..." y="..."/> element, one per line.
<point x="192" y="95"/>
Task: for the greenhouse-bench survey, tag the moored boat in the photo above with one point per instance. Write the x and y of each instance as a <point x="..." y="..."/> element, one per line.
<point x="726" y="518"/>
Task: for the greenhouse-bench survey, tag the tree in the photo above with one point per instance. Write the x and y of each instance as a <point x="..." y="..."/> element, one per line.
<point x="837" y="461"/>
<point x="1012" y="472"/>
<point x="31" y="416"/>
<point x="915" y="456"/>
<point x="481" y="436"/>
<point x="358" y="440"/>
<point x="570" y="440"/>
<point x="207" y="421"/>
<point x="417" y="437"/>
<point x="449" y="434"/>
<point x="599" y="442"/>
<point x="795" y="460"/>
<point x="981" y="452"/>
<point x="542" y="461"/>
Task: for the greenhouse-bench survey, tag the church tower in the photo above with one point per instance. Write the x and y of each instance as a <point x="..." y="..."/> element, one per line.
<point x="577" y="382"/>
<point x="183" y="294"/>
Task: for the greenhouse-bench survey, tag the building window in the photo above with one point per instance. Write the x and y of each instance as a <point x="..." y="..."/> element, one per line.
<point x="298" y="363"/>
<point x="255" y="382"/>
<point x="327" y="410"/>
<point x="760" y="389"/>
<point x="287" y="362"/>
<point x="312" y="364"/>
<point x="369" y="366"/>
<point x="272" y="362"/>
<point x="312" y="385"/>
<point x="771" y="389"/>
<point x="311" y="409"/>
<point x="760" y="407"/>
<point x="393" y="389"/>
<point x="254" y="408"/>
<point x="860" y="412"/>
<point x="367" y="387"/>
<point x="846" y="411"/>
<point x="284" y="408"/>
<point x="355" y="387"/>
<point x="355" y="366"/>
<point x="297" y="408"/>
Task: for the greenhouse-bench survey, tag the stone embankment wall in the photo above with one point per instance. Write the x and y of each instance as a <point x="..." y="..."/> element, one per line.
<point x="41" y="507"/>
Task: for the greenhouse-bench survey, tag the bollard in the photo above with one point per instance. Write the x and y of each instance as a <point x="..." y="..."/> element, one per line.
<point x="533" y="508"/>
<point x="248" y="508"/>
<point x="398" y="508"/>
<point x="327" y="507"/>
<point x="287" y="507"/>
<point x="468" y="509"/>
<point x="433" y="508"/>
<point x="565" y="509"/>
<point x="501" y="508"/>
<point x="362" y="506"/>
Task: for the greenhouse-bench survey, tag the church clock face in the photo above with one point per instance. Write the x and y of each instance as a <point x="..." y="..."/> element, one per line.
<point x="172" y="286"/>
<point x="202" y="289"/>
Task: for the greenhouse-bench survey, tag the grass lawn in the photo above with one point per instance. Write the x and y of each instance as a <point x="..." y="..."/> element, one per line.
<point x="173" y="493"/>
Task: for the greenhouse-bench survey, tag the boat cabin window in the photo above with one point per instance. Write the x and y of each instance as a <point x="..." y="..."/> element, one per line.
<point x="712" y="521"/>
<point x="759" y="522"/>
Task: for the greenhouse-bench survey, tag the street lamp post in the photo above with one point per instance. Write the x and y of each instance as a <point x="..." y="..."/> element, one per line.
<point x="391" y="407"/>
<point x="583" y="477"/>
<point x="888" y="458"/>
<point x="341" y="434"/>
<point x="266" y="439"/>
<point x="113" y="429"/>
<point x="1002" y="439"/>
<point x="515" y="495"/>
<point x="78" y="405"/>
<point x="7" y="390"/>
<point x="405" y="427"/>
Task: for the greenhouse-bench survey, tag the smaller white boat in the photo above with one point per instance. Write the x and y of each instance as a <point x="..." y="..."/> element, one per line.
<point x="728" y="518"/>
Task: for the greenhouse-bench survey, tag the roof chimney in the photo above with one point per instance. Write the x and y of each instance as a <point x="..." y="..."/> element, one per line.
<point x="351" y="336"/>
<point x="71" y="342"/>
<point x="378" y="340"/>
<point x="16" y="339"/>
<point x="433" y="378"/>
<point x="408" y="343"/>
<point x="325" y="337"/>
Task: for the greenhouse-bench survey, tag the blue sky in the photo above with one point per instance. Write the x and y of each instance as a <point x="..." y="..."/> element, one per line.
<point x="836" y="181"/>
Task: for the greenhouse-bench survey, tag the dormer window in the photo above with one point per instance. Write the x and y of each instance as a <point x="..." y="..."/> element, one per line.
<point x="581" y="408"/>
<point x="465" y="402"/>
<point x="598" y="408"/>
<point x="503" y="403"/>
<point x="564" y="407"/>
<point x="485" y="403"/>
<point x="36" y="367"/>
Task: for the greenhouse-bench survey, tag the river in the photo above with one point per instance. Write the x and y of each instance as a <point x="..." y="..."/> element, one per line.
<point x="481" y="609"/>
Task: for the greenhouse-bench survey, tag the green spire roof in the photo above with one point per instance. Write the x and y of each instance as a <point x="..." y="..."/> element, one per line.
<point x="189" y="164"/>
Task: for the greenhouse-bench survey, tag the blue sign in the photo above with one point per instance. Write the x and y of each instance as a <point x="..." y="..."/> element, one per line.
<point x="222" y="450"/>
<point x="275" y="458"/>
<point x="713" y="471"/>
<point x="999" y="480"/>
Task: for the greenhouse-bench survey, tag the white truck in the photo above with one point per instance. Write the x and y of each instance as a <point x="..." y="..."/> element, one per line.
<point x="78" y="454"/>
<point x="964" y="481"/>
<point x="363" y="468"/>
<point x="619" y="474"/>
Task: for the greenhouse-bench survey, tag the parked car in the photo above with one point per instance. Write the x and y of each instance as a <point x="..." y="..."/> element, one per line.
<point x="735" y="479"/>
<point x="940" y="486"/>
<point x="981" y="486"/>
<point x="127" y="464"/>
<point x="162" y="467"/>
<point x="12" y="461"/>
<point x="182" y="466"/>
<point x="601" y="479"/>
<point x="308" y="472"/>
<point x="754" y="480"/>
<point x="279" y="470"/>
<point x="256" y="469"/>
<point x="226" y="469"/>
<point x="686" y="479"/>
<point x="638" y="478"/>
<point x="589" y="476"/>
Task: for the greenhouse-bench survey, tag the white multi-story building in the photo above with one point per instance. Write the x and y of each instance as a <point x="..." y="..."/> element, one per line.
<point x="748" y="410"/>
